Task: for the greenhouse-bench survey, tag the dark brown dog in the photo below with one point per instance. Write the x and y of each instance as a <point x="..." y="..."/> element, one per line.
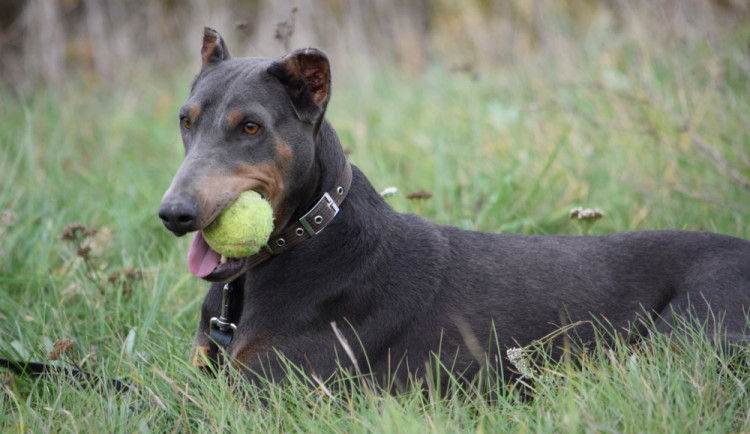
<point x="400" y="288"/>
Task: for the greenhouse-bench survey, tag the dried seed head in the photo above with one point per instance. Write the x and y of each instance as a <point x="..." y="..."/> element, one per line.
<point x="77" y="230"/>
<point x="586" y="213"/>
<point x="59" y="348"/>
<point x="132" y="274"/>
<point x="419" y="194"/>
<point x="69" y="232"/>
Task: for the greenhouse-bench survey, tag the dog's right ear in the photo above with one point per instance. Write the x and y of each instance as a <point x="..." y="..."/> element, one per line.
<point x="214" y="49"/>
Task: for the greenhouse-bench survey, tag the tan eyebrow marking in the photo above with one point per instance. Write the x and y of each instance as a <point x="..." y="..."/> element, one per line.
<point x="234" y="118"/>
<point x="194" y="111"/>
<point x="284" y="152"/>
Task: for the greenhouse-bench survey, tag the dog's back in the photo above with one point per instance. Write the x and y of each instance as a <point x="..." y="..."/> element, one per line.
<point x="470" y="295"/>
<point x="529" y="286"/>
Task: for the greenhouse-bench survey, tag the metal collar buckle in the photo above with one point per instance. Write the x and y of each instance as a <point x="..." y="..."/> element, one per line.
<point x="318" y="220"/>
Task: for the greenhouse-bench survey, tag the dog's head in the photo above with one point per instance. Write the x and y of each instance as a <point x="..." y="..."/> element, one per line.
<point x="248" y="124"/>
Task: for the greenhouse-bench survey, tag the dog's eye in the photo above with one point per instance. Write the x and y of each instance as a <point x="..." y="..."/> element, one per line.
<point x="250" y="128"/>
<point x="186" y="123"/>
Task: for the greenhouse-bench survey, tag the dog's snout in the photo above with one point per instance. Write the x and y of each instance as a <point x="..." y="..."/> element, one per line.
<point x="179" y="214"/>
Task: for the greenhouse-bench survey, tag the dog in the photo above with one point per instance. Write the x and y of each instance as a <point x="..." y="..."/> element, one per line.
<point x="395" y="291"/>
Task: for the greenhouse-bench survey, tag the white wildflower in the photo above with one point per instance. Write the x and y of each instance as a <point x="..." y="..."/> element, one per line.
<point x="521" y="363"/>
<point x="389" y="191"/>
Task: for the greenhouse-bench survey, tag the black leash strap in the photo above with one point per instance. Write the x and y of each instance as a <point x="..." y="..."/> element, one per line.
<point x="76" y="377"/>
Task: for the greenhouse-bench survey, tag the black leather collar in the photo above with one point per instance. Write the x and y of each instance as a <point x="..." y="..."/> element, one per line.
<point x="311" y="223"/>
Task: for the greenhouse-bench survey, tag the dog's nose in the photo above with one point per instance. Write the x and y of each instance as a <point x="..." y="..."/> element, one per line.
<point x="179" y="215"/>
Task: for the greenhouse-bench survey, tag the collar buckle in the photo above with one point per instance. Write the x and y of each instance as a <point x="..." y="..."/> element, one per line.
<point x="317" y="218"/>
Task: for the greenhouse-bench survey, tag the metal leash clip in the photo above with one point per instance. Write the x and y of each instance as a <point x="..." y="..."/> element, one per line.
<point x="222" y="322"/>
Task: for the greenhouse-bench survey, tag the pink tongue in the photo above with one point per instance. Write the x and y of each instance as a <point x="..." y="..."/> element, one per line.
<point x="202" y="259"/>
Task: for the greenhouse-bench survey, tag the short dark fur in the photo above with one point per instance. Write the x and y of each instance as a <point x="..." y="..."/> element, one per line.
<point x="406" y="286"/>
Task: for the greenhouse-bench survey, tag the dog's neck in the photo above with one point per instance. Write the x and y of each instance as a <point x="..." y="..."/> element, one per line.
<point x="326" y="172"/>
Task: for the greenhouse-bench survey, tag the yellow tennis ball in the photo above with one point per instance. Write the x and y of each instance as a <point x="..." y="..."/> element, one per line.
<point x="243" y="228"/>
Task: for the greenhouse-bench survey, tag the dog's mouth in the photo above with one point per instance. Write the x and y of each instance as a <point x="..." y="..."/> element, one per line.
<point x="206" y="263"/>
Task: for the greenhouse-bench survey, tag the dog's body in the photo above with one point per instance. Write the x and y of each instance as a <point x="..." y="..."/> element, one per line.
<point x="401" y="288"/>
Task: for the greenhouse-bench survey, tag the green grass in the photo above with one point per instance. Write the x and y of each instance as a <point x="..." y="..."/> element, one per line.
<point x="657" y="138"/>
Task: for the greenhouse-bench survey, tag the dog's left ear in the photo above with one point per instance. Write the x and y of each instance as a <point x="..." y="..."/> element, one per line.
<point x="306" y="76"/>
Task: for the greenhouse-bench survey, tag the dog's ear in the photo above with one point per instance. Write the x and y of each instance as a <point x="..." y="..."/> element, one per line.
<point x="306" y="76"/>
<point x="214" y="49"/>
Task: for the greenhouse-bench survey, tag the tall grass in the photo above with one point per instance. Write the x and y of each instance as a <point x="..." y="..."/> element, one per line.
<point x="657" y="137"/>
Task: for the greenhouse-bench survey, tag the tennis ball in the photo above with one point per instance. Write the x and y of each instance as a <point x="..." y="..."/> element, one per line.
<point x="243" y="228"/>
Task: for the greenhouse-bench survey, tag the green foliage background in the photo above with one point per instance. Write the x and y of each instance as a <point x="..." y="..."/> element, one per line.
<point x="652" y="127"/>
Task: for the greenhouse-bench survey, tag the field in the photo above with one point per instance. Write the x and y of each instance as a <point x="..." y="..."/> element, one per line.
<point x="656" y="136"/>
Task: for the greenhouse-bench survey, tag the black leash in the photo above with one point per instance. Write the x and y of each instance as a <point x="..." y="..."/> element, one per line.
<point x="76" y="377"/>
<point x="221" y="335"/>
